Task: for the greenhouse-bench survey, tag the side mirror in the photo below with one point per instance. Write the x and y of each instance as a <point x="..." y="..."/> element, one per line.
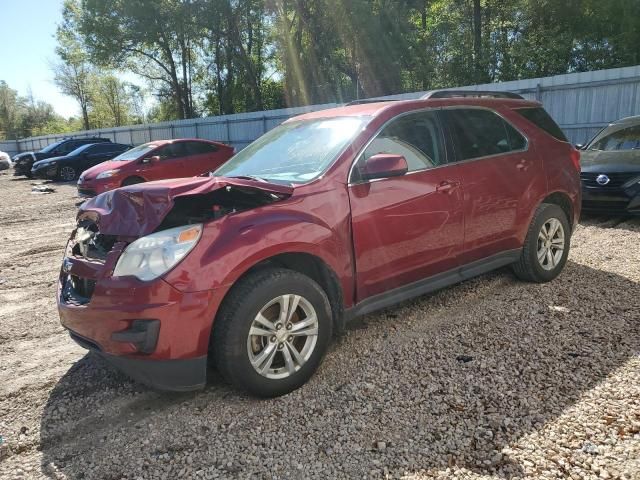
<point x="154" y="159"/>
<point x="383" y="165"/>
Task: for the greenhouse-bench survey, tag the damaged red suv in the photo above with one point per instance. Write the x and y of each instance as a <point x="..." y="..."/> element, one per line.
<point x="331" y="215"/>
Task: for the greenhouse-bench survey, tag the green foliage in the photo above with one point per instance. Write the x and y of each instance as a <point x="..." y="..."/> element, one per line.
<point x="223" y="56"/>
<point x="25" y="116"/>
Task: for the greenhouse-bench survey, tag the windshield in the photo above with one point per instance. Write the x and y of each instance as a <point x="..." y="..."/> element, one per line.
<point x="51" y="147"/>
<point x="136" y="152"/>
<point x="295" y="152"/>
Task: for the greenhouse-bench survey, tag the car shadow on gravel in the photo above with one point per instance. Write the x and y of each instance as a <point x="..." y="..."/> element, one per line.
<point x="449" y="380"/>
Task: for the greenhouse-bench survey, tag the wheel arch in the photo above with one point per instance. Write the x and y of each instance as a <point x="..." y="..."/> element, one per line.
<point x="564" y="202"/>
<point x="139" y="177"/>
<point x="310" y="265"/>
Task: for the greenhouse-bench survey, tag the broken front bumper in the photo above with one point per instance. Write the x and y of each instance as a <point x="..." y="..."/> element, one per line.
<point x="152" y="331"/>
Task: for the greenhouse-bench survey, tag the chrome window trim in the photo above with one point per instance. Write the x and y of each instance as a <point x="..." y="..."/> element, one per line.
<point x="444" y="142"/>
<point x="375" y="135"/>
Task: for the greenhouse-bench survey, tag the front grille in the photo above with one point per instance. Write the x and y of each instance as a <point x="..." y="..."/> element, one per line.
<point x="86" y="192"/>
<point x="89" y="244"/>
<point x="616" y="180"/>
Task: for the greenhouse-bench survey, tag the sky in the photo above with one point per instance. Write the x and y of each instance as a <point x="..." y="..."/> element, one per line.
<point x="27" y="47"/>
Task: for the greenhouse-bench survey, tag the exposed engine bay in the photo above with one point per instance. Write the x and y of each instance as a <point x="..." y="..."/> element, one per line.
<point x="214" y="205"/>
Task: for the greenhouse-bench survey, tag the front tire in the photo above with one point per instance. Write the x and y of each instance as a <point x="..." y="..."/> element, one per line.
<point x="546" y="247"/>
<point x="67" y="174"/>
<point x="272" y="332"/>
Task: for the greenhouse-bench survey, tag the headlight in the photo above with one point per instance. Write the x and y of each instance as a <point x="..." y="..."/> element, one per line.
<point x="107" y="174"/>
<point x="151" y="256"/>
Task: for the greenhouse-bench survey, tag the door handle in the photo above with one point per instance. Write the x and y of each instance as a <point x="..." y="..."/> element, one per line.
<point x="447" y="186"/>
<point x="523" y="164"/>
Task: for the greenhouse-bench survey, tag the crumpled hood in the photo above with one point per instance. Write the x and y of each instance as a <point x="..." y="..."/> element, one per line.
<point x="137" y="210"/>
<point x="610" y="161"/>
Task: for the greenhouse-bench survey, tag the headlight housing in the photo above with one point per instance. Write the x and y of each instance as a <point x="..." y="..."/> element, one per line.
<point x="107" y="174"/>
<point x="149" y="257"/>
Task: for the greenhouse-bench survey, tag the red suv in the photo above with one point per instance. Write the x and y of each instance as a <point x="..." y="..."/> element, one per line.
<point x="156" y="160"/>
<point x="333" y="214"/>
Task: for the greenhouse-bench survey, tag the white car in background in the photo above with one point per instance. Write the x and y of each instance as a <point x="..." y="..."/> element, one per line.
<point x="5" y="161"/>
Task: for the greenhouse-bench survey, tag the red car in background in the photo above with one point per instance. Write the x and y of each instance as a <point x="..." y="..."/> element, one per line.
<point x="157" y="160"/>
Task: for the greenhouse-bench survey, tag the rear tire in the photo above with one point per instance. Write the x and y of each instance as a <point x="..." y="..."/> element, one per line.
<point x="132" y="181"/>
<point x="546" y="246"/>
<point x="272" y="332"/>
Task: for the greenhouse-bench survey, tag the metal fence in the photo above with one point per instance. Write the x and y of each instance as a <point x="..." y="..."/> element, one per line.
<point x="581" y="103"/>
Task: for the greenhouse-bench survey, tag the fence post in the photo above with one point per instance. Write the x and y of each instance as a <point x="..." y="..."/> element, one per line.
<point x="195" y="124"/>
<point x="150" y="139"/>
<point x="228" y="130"/>
<point x="539" y="92"/>
<point x="264" y="124"/>
<point x="131" y="136"/>
<point x="173" y="131"/>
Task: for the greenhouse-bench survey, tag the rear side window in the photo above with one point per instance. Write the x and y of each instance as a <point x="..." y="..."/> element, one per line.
<point x="481" y="133"/>
<point x="625" y="139"/>
<point x="103" y="148"/>
<point x="540" y="118"/>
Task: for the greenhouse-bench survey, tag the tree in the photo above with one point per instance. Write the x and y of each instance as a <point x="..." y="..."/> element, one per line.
<point x="73" y="73"/>
<point x="152" y="38"/>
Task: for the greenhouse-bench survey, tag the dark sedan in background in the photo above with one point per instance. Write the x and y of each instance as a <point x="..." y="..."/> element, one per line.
<point x="610" y="165"/>
<point x="23" y="162"/>
<point x="69" y="167"/>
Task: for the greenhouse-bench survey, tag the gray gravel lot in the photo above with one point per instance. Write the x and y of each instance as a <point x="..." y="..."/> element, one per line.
<point x="492" y="378"/>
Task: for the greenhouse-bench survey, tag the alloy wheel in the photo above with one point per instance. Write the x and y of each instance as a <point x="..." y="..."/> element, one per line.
<point x="67" y="174"/>
<point x="550" y="244"/>
<point x="283" y="336"/>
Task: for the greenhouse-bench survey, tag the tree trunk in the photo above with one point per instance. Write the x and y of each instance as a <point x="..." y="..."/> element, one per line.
<point x="477" y="40"/>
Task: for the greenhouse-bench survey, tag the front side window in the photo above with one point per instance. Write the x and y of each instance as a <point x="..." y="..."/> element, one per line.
<point x="481" y="133"/>
<point x="624" y="139"/>
<point x="295" y="152"/>
<point x="173" y="150"/>
<point x="199" y="148"/>
<point x="416" y="136"/>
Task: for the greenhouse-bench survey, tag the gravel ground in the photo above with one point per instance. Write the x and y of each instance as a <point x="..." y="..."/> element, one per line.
<point x="492" y="378"/>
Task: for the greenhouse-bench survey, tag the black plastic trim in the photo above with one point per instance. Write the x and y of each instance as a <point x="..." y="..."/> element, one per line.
<point x="174" y="375"/>
<point x="430" y="284"/>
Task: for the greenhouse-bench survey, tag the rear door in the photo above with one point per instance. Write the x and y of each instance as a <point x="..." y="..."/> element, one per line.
<point x="201" y="157"/>
<point x="502" y="179"/>
<point x="409" y="227"/>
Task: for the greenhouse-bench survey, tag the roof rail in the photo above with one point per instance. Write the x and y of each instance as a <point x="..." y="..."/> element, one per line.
<point x="470" y="94"/>
<point x="370" y="100"/>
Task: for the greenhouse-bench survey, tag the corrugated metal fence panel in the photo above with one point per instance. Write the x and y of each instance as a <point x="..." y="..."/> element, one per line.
<point x="10" y="147"/>
<point x="581" y="103"/>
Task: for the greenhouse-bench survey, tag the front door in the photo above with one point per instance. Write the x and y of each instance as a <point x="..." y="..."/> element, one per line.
<point x="409" y="227"/>
<point x="171" y="164"/>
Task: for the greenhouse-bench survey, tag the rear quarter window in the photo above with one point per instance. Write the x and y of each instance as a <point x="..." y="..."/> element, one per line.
<point x="540" y="118"/>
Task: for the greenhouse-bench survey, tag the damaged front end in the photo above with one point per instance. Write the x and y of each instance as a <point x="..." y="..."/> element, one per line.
<point x="115" y="220"/>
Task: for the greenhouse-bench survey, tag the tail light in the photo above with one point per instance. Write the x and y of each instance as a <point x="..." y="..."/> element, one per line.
<point x="575" y="158"/>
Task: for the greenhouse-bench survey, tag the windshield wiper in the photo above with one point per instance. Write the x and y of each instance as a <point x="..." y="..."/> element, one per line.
<point x="250" y="177"/>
